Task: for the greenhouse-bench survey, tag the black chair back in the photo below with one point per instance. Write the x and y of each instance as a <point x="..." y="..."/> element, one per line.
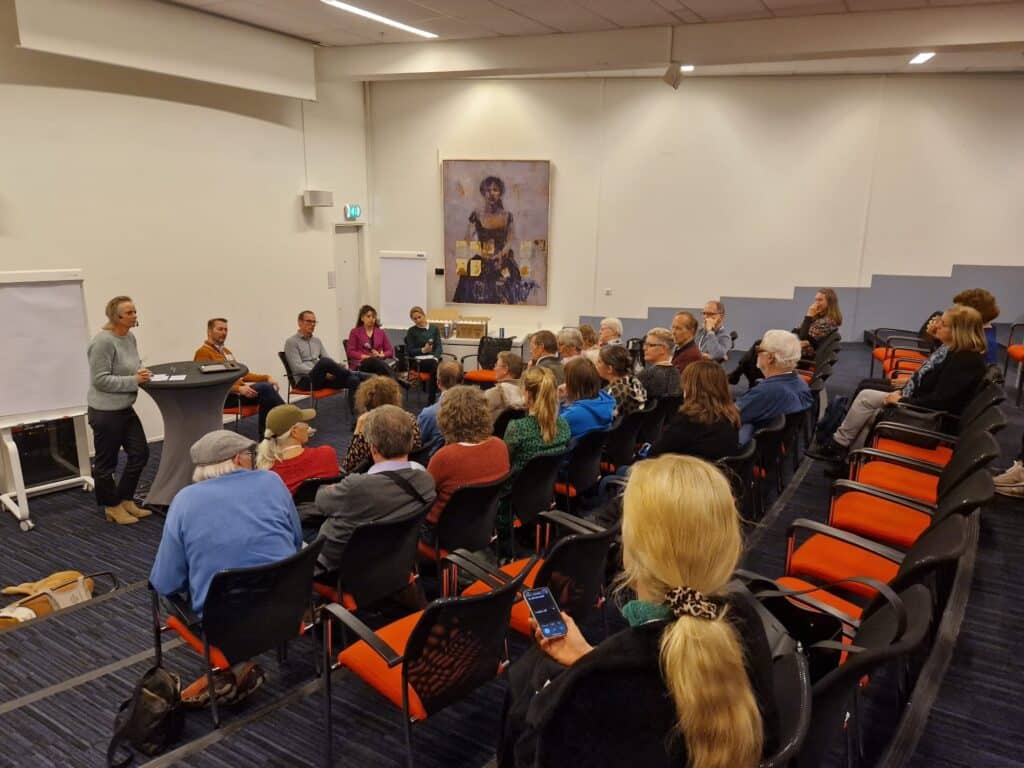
<point x="488" y="349"/>
<point x="574" y="571"/>
<point x="769" y="441"/>
<point x="635" y="347"/>
<point x="986" y="399"/>
<point x="975" y="490"/>
<point x="251" y="610"/>
<point x="467" y="521"/>
<point x="739" y="468"/>
<point x="458" y="645"/>
<point x="667" y="407"/>
<point x="620" y="442"/>
<point x="504" y="418"/>
<point x="293" y="382"/>
<point x="585" y="461"/>
<point x="972" y="452"/>
<point x="379" y="557"/>
<point x="533" y="489"/>
<point x="933" y="559"/>
<point x="791" y="690"/>
<point x="422" y="455"/>
<point x="833" y="695"/>
<point x="306" y="492"/>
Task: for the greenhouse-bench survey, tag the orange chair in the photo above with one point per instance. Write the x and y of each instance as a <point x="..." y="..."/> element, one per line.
<point x="429" y="659"/>
<point x="930" y="446"/>
<point x="241" y="412"/>
<point x="1015" y="352"/>
<point x="294" y="389"/>
<point x="893" y="343"/>
<point x="486" y="356"/>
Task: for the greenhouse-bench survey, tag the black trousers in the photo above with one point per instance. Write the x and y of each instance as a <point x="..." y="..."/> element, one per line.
<point x="113" y="430"/>
<point x="427" y="366"/>
<point x="266" y="398"/>
<point x="343" y="377"/>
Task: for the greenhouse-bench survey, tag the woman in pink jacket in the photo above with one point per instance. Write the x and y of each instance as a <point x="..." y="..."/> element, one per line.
<point x="368" y="348"/>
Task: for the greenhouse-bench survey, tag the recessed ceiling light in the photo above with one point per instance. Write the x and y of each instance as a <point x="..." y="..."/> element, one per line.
<point x="921" y="58"/>
<point x="377" y="17"/>
<point x="686" y="68"/>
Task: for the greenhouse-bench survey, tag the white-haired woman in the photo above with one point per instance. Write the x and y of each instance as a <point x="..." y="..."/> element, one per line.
<point x="694" y="661"/>
<point x="782" y="392"/>
<point x="283" y="449"/>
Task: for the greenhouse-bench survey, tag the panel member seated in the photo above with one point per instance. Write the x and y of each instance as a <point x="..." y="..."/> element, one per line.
<point x="253" y="388"/>
<point x="391" y="489"/>
<point x="423" y="346"/>
<point x="312" y="368"/>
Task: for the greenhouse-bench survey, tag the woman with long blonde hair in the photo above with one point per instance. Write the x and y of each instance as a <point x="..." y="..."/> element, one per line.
<point x="706" y="652"/>
<point x="542" y="430"/>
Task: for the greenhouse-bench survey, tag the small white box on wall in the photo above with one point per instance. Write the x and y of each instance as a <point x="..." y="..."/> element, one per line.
<point x="317" y="198"/>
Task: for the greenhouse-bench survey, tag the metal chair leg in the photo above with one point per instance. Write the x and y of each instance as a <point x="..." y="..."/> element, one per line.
<point x="328" y="726"/>
<point x="209" y="683"/>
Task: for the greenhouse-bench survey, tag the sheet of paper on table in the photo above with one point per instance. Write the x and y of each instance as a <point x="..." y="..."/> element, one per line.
<point x="178" y="377"/>
<point x="160" y="377"/>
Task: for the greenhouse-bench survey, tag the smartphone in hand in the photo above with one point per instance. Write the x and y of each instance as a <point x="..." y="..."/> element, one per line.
<point x="545" y="612"/>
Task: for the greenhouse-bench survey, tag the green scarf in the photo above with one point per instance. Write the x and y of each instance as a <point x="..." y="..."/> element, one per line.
<point x="638" y="612"/>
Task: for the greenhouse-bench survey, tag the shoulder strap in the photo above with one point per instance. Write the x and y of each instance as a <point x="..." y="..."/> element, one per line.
<point x="404" y="484"/>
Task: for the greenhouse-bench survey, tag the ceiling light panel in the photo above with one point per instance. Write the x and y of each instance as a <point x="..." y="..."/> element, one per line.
<point x="348" y="8"/>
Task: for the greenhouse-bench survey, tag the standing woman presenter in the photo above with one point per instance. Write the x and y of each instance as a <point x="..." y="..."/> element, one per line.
<point x="115" y="373"/>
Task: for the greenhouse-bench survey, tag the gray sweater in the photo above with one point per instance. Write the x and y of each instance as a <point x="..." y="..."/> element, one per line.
<point x="113" y="361"/>
<point x="302" y="354"/>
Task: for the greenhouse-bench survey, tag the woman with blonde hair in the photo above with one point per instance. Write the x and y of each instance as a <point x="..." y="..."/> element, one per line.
<point x="376" y="391"/>
<point x="542" y="430"/>
<point x="694" y="661"/>
<point x="944" y="382"/>
<point x="708" y="422"/>
<point x="284" y="449"/>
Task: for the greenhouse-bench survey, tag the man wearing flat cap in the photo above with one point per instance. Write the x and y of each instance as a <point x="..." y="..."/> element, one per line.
<point x="230" y="517"/>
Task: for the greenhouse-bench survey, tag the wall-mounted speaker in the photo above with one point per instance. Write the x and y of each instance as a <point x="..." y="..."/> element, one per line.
<point x="317" y="198"/>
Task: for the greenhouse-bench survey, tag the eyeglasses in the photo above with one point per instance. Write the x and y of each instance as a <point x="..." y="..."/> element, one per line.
<point x="309" y="322"/>
<point x="654" y="344"/>
<point x="711" y="314"/>
<point x="252" y="450"/>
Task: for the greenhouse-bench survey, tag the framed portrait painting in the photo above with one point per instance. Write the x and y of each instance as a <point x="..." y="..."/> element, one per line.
<point x="496" y="231"/>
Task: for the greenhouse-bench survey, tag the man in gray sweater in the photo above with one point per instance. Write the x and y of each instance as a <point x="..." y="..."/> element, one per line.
<point x="392" y="489"/>
<point x="312" y="368"/>
<point x="712" y="339"/>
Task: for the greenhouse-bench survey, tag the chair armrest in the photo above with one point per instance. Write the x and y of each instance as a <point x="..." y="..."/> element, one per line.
<point x="492" y="577"/>
<point x="853" y="539"/>
<point x="823" y="607"/>
<point x="894" y="458"/>
<point x="840" y="487"/>
<point x="914" y="342"/>
<point x="897" y="430"/>
<point x="577" y="524"/>
<point x="390" y="655"/>
<point x="922" y="409"/>
<point x="464" y="358"/>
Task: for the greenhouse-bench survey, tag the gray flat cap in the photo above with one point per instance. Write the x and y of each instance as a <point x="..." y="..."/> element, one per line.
<point x="219" y="445"/>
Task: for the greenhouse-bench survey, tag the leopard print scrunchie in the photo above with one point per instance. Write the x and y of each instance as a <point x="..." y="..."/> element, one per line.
<point x="685" y="600"/>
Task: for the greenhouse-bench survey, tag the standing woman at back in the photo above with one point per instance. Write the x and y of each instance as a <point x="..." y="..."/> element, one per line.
<point x="115" y="373"/>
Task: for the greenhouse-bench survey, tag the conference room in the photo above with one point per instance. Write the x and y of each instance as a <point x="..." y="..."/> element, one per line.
<point x="472" y="242"/>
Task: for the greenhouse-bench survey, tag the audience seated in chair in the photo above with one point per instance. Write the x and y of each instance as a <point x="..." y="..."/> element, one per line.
<point x="945" y="382"/>
<point x="684" y="333"/>
<point x="590" y="342"/>
<point x="542" y="430"/>
<point x="713" y="341"/>
<point x="615" y="367"/>
<point x="283" y="450"/>
<point x="391" y="489"/>
<point x="698" y="708"/>
<point x="372" y="393"/>
<point x="587" y="407"/>
<point x="708" y="422"/>
<point x="253" y="388"/>
<point x="506" y="392"/>
<point x="449" y="374"/>
<point x="782" y="392"/>
<point x="544" y="353"/>
<point x="229" y="517"/>
<point x="659" y="377"/>
<point x="471" y="454"/>
<point x="570" y="343"/>
<point x="309" y="363"/>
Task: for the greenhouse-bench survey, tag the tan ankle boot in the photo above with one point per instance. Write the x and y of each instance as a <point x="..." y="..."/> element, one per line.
<point x="119" y="516"/>
<point x="134" y="509"/>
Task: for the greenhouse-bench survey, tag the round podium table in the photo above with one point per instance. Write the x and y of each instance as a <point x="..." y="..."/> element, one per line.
<point x="192" y="404"/>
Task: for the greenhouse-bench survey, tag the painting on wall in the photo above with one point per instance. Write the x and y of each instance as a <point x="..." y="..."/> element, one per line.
<point x="496" y="231"/>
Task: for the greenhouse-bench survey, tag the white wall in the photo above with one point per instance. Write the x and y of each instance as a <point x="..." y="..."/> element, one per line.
<point x="185" y="196"/>
<point x="741" y="186"/>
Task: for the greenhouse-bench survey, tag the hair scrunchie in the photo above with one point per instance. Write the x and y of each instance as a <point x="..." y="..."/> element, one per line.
<point x="690" y="602"/>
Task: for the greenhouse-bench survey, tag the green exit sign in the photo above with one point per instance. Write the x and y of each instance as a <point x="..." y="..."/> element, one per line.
<point x="353" y="211"/>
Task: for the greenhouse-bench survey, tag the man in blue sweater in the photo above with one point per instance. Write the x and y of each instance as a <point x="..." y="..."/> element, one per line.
<point x="781" y="392"/>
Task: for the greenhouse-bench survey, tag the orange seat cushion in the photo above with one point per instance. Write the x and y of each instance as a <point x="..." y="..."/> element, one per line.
<point x="822" y="595"/>
<point x="564" y="489"/>
<point x="1015" y="352"/>
<point x="481" y="376"/>
<point x="427" y="552"/>
<point x="317" y="394"/>
<point x="901" y="480"/>
<point x="901" y="366"/>
<point x="887" y="353"/>
<point x="372" y="669"/>
<point x="939" y="455"/>
<point x="878" y="519"/>
<point x="244" y="411"/>
<point x="823" y="559"/>
<point x="331" y="595"/>
<point x="520" y="612"/>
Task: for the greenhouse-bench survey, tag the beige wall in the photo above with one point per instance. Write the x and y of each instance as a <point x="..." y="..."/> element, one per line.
<point x="745" y="186"/>
<point x="184" y="195"/>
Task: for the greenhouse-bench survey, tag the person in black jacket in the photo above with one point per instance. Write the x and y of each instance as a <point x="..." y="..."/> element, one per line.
<point x="688" y="673"/>
<point x="945" y="382"/>
<point x="708" y="422"/>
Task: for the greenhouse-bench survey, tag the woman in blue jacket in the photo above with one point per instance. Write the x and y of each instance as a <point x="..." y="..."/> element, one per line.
<point x="587" y="407"/>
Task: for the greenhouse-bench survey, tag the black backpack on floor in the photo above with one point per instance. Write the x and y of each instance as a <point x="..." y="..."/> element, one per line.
<point x="151" y="719"/>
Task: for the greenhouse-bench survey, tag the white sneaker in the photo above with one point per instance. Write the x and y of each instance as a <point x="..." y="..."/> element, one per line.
<point x="1013" y="491"/>
<point x="1013" y="476"/>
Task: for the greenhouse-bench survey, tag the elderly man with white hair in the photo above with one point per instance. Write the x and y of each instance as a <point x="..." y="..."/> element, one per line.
<point x="570" y="343"/>
<point x="230" y="517"/>
<point x="781" y="392"/>
<point x="610" y="331"/>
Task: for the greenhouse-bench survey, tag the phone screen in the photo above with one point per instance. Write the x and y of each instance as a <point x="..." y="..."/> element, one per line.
<point x="545" y="611"/>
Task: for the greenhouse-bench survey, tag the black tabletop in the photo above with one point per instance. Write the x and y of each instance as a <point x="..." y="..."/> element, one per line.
<point x="193" y="376"/>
